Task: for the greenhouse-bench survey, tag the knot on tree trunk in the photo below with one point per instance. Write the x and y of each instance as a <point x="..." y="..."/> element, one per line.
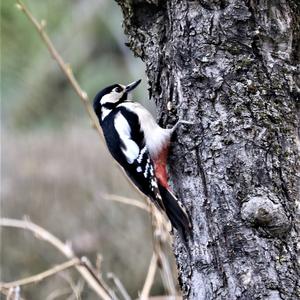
<point x="265" y="211"/>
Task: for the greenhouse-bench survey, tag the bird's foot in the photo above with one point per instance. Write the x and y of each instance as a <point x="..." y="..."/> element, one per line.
<point x="181" y="122"/>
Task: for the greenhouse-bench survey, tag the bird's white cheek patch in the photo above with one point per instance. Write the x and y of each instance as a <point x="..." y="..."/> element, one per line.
<point x="110" y="98"/>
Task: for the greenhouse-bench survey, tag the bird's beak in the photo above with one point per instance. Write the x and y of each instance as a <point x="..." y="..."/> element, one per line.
<point x="132" y="85"/>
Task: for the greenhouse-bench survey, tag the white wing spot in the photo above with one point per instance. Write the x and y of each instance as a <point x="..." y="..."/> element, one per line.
<point x="140" y="158"/>
<point x="151" y="171"/>
<point x="139" y="169"/>
<point x="146" y="169"/>
<point x="153" y="183"/>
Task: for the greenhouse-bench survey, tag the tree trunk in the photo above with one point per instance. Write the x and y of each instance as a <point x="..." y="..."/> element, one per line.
<point x="231" y="67"/>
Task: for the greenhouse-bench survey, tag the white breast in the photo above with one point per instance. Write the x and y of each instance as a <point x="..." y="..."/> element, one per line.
<point x="156" y="138"/>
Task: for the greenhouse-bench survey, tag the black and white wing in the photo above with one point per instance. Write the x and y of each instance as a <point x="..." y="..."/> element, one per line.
<point x="135" y="157"/>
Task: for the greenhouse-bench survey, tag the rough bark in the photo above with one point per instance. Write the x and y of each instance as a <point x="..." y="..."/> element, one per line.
<point x="231" y="67"/>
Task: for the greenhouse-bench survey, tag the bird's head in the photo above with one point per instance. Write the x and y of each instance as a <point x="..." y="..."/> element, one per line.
<point x="108" y="98"/>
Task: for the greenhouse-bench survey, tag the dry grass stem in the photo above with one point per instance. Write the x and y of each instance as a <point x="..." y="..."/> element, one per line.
<point x="13" y="293"/>
<point x="79" y="289"/>
<point x="150" y="278"/>
<point x="119" y="285"/>
<point x="9" y="294"/>
<point x="58" y="293"/>
<point x="166" y="273"/>
<point x="128" y="201"/>
<point x="38" y="277"/>
<point x="160" y="239"/>
<point x="88" y="265"/>
<point x="68" y="278"/>
<point x="43" y="234"/>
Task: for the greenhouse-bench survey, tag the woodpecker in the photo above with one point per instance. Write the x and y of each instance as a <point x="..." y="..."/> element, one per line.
<point x="140" y="146"/>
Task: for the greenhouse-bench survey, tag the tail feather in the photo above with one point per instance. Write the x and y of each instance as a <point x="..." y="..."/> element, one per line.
<point x="175" y="212"/>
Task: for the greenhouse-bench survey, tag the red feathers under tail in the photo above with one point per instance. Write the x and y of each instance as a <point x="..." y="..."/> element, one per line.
<point x="174" y="210"/>
<point x="160" y="164"/>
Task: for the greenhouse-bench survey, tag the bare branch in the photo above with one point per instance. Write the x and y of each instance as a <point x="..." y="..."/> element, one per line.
<point x="88" y="265"/>
<point x="68" y="278"/>
<point x="43" y="234"/>
<point x="9" y="293"/>
<point x="166" y="273"/>
<point x="66" y="69"/>
<point x="78" y="288"/>
<point x="128" y="201"/>
<point x="13" y="293"/>
<point x="58" y="293"/>
<point x="161" y="238"/>
<point x="38" y="277"/>
<point x="150" y="278"/>
<point x="39" y="233"/>
<point x="119" y="286"/>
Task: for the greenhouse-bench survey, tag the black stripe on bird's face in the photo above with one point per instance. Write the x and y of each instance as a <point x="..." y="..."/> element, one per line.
<point x="111" y="105"/>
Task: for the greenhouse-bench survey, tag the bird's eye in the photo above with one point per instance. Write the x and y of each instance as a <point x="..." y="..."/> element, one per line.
<point x="118" y="89"/>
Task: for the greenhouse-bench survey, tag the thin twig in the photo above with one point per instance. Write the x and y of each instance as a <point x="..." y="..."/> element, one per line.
<point x="161" y="238"/>
<point x="66" y="69"/>
<point x="166" y="273"/>
<point x="7" y="293"/>
<point x="98" y="264"/>
<point x="45" y="235"/>
<point x="150" y="278"/>
<point x="58" y="293"/>
<point x="14" y="293"/>
<point x="79" y="288"/>
<point x="38" y="277"/>
<point x="88" y="265"/>
<point x="163" y="261"/>
<point x="119" y="285"/>
<point x="68" y="278"/>
<point x="128" y="201"/>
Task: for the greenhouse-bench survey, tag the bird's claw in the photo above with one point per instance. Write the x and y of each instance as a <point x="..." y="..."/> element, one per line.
<point x="181" y="122"/>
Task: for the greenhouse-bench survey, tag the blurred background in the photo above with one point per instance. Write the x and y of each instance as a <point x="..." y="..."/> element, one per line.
<point x="54" y="168"/>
